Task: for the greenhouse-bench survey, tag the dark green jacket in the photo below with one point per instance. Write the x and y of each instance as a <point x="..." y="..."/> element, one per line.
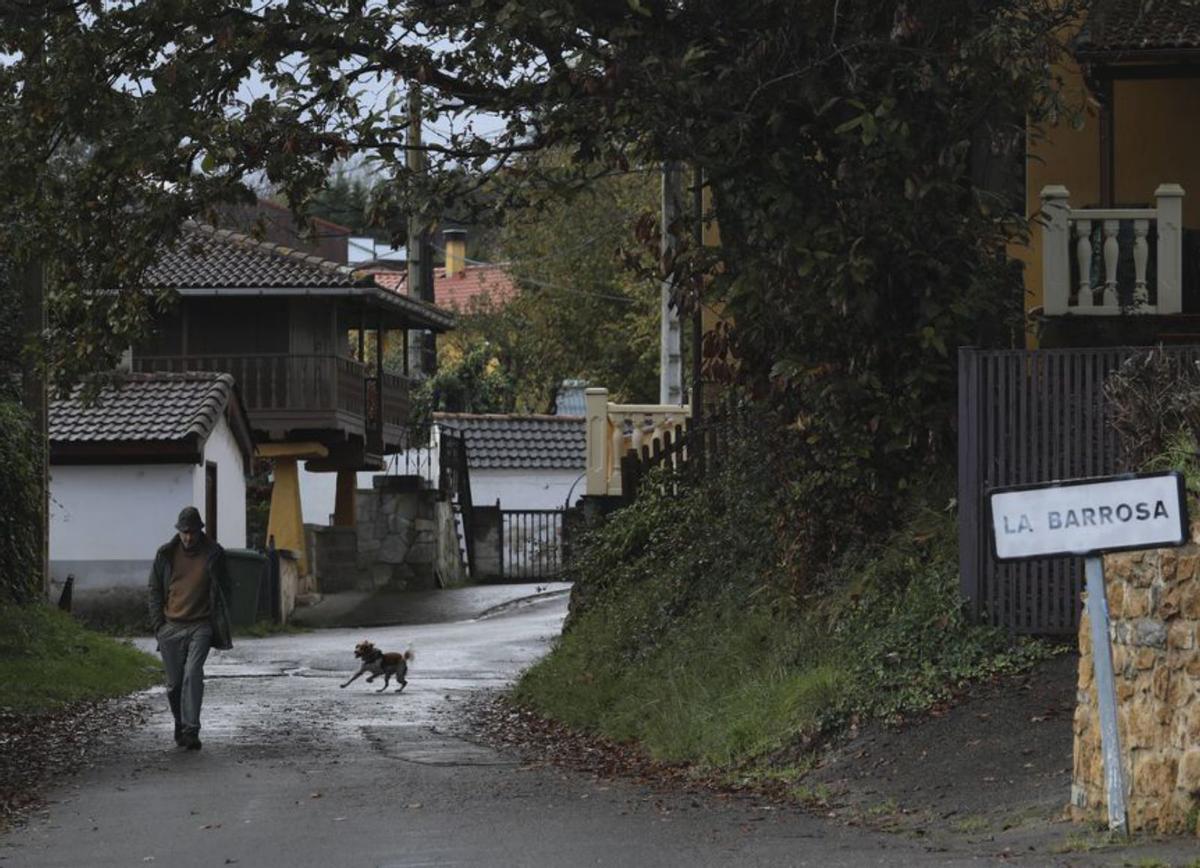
<point x="220" y="590"/>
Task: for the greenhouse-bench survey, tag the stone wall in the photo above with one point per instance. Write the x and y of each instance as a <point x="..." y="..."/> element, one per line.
<point x="1154" y="607"/>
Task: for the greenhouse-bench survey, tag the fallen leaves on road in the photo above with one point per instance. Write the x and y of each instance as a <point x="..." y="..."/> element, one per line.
<point x="36" y="749"/>
<point x="541" y="742"/>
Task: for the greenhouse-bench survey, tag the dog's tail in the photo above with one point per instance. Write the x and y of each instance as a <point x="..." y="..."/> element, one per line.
<point x="409" y="655"/>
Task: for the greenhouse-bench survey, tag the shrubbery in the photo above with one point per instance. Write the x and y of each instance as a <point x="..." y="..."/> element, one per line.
<point x="694" y="633"/>
<point x="20" y="492"/>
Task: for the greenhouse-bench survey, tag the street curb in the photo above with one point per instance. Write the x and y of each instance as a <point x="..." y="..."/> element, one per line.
<point x="520" y="603"/>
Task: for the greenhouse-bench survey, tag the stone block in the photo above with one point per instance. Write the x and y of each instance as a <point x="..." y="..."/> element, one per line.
<point x="1189" y="771"/>
<point x="1189" y="601"/>
<point x="1143" y="574"/>
<point x="1181" y="636"/>
<point x="1160" y="683"/>
<point x="1145" y="658"/>
<point x="421" y="553"/>
<point x="1149" y="632"/>
<point x="1188" y="565"/>
<point x="1154" y="776"/>
<point x="1168" y="561"/>
<point x="1116" y="593"/>
<point x="398" y="523"/>
<point x="1169" y="605"/>
<point x="393" y="550"/>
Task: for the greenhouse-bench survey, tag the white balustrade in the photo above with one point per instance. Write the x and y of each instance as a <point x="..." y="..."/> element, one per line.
<point x="614" y="429"/>
<point x="1062" y="225"/>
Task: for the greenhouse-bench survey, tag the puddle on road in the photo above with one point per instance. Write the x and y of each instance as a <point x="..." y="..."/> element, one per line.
<point x="420" y="745"/>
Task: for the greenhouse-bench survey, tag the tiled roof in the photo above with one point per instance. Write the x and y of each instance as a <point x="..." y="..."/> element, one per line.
<point x="209" y="261"/>
<point x="525" y="442"/>
<point x="1141" y="25"/>
<point x="474" y="284"/>
<point x="491" y="283"/>
<point x="209" y="258"/>
<point x="160" y="407"/>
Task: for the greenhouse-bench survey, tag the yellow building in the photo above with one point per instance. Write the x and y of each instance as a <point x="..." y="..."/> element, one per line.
<point x="1119" y="195"/>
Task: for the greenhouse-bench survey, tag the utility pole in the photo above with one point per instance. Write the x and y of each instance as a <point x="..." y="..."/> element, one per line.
<point x="31" y="282"/>
<point x="670" y="377"/>
<point x="422" y="346"/>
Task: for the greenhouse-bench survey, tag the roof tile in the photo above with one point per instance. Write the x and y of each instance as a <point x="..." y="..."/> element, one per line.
<point x="518" y="441"/>
<point x="143" y="407"/>
<point x="1123" y="25"/>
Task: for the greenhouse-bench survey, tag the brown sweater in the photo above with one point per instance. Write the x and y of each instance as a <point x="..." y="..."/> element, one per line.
<point x="188" y="595"/>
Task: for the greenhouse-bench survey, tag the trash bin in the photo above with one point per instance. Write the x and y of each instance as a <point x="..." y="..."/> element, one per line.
<point x="247" y="568"/>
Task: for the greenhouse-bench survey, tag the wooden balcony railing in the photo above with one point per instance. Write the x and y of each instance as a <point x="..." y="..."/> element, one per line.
<point x="282" y="383"/>
<point x="1107" y="261"/>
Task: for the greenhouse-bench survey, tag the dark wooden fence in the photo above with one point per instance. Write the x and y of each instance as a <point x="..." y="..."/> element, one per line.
<point x="1030" y="416"/>
<point x="685" y="448"/>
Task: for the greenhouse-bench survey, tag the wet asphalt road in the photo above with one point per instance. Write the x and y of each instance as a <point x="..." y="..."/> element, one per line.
<point x="298" y="772"/>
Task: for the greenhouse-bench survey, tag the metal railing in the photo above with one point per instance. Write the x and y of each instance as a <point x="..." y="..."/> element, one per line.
<point x="531" y="543"/>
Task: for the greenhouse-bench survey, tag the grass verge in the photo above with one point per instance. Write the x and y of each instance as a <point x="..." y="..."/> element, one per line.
<point x="48" y="660"/>
<point x="688" y="647"/>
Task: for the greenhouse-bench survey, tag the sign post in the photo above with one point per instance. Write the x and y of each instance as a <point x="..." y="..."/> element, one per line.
<point x="1089" y="517"/>
<point x="1106" y="693"/>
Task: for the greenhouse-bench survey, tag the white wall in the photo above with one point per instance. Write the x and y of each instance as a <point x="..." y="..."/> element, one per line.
<point x="534" y="488"/>
<point x="107" y="521"/>
<point x="318" y="493"/>
<point x="222" y="448"/>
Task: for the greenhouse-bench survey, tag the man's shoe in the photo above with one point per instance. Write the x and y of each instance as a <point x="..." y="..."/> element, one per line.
<point x="191" y="741"/>
<point x="179" y="739"/>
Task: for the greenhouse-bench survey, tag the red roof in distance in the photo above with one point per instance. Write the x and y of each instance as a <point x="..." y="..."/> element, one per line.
<point x="474" y="285"/>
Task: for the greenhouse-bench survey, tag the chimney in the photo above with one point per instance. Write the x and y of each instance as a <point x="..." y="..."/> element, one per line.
<point x="456" y="251"/>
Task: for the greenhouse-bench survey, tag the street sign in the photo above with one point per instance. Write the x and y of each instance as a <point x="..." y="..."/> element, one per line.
<point x="1084" y="516"/>
<point x="1089" y="517"/>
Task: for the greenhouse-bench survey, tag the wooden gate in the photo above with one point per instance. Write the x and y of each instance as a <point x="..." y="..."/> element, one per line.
<point x="1030" y="416"/>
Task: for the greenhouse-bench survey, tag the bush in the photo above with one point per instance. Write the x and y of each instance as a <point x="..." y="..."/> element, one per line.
<point x="20" y="519"/>
<point x="693" y="634"/>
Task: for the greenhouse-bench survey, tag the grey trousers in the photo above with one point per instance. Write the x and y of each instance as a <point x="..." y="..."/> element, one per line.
<point x="184" y="648"/>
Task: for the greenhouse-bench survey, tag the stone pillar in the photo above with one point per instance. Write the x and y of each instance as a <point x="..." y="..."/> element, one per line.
<point x="1154" y="598"/>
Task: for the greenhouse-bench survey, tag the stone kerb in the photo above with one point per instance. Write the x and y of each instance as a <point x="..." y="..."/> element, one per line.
<point x="1154" y="603"/>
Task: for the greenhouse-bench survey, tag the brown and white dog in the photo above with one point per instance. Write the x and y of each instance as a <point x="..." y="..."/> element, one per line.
<point x="378" y="663"/>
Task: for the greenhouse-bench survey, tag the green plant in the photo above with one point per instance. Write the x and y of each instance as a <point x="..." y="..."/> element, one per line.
<point x="21" y="492"/>
<point x="690" y="634"/>
<point x="47" y="659"/>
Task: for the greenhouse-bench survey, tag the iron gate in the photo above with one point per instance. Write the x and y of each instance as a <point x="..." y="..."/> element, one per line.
<point x="532" y="544"/>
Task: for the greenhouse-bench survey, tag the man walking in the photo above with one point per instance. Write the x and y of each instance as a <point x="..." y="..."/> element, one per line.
<point x="189" y="586"/>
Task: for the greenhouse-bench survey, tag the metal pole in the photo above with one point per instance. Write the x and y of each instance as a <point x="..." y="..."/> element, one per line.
<point x="1106" y="692"/>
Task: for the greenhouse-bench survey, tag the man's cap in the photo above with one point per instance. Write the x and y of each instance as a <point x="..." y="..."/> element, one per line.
<point x="189" y="519"/>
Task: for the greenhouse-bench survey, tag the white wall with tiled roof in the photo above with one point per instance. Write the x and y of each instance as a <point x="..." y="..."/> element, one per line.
<point x="107" y="520"/>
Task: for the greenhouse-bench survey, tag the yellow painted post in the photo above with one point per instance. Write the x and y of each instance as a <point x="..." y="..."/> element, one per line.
<point x="596" y="404"/>
<point x="345" y="510"/>
<point x="286" y="523"/>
